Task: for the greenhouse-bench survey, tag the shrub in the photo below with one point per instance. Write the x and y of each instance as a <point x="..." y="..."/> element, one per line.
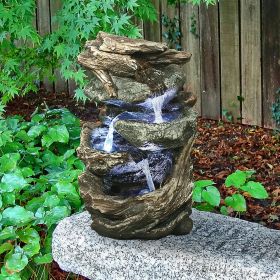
<point x="207" y="196"/>
<point x="26" y="57"/>
<point x="22" y="62"/>
<point x="38" y="187"/>
<point x="276" y="108"/>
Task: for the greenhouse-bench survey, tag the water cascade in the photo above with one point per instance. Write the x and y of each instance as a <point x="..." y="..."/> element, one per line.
<point x="157" y="104"/>
<point x="144" y="164"/>
<point x="109" y="141"/>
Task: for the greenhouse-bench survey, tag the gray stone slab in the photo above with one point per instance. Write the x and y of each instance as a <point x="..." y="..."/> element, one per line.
<point x="219" y="247"/>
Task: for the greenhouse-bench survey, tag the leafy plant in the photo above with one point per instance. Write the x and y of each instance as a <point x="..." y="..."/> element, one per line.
<point x="79" y="21"/>
<point x="38" y="187"/>
<point x="208" y="196"/>
<point x="276" y="108"/>
<point x="193" y="28"/>
<point x="172" y="35"/>
<point x="26" y="57"/>
<point x="22" y="62"/>
<point x="194" y="2"/>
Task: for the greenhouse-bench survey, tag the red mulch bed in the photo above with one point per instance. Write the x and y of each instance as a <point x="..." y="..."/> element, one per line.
<point x="219" y="150"/>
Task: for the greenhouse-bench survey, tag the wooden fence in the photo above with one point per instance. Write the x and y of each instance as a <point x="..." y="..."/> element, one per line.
<point x="236" y="56"/>
<point x="235" y="65"/>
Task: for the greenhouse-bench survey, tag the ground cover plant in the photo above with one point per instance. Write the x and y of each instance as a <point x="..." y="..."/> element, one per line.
<point x="207" y="196"/>
<point x="38" y="188"/>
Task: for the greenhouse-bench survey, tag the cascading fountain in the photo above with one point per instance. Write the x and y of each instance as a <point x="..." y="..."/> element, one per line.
<point x="144" y="164"/>
<point x="137" y="182"/>
<point x="108" y="144"/>
<point x="157" y="103"/>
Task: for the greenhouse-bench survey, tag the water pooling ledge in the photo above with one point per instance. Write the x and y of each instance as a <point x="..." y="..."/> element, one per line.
<point x="138" y="178"/>
<point x="218" y="248"/>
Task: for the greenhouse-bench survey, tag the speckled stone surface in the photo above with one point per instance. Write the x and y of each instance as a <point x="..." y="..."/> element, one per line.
<point x="218" y="248"/>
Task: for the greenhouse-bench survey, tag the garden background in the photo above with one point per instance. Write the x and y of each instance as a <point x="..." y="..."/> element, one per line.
<point x="235" y="46"/>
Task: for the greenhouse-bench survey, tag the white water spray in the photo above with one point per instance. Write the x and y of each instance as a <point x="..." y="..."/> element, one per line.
<point x="144" y="165"/>
<point x="108" y="144"/>
<point x="157" y="103"/>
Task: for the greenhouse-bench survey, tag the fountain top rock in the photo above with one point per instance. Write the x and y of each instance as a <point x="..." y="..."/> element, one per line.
<point x="141" y="66"/>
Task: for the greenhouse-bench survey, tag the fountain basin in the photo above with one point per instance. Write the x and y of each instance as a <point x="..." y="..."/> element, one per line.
<point x="97" y="161"/>
<point x="149" y="216"/>
<point x="152" y="136"/>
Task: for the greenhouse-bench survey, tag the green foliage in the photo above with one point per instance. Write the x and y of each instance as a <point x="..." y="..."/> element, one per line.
<point x="276" y="108"/>
<point x="172" y="35"/>
<point x="26" y="57"/>
<point x="79" y="21"/>
<point x="22" y="62"/>
<point x="194" y="2"/>
<point x="193" y="28"/>
<point x="38" y="188"/>
<point x="207" y="196"/>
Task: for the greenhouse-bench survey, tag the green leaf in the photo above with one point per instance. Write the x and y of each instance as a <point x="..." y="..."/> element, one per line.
<point x="5" y="275"/>
<point x="211" y="195"/>
<point x="249" y="173"/>
<point x="36" y="130"/>
<point x="236" y="179"/>
<point x="224" y="210"/>
<point x="28" y="235"/>
<point x="8" y="233"/>
<point x="196" y="196"/>
<point x="16" y="216"/>
<point x="255" y="189"/>
<point x="8" y="199"/>
<point x="6" y="247"/>
<point x="58" y="133"/>
<point x="43" y="259"/>
<point x="8" y="162"/>
<point x="22" y="135"/>
<point x="27" y="172"/>
<point x="13" y="181"/>
<point x="68" y="191"/>
<point x="51" y="201"/>
<point x="203" y="183"/>
<point x="205" y="207"/>
<point x="56" y="214"/>
<point x="35" y="203"/>
<point x="16" y="262"/>
<point x="237" y="202"/>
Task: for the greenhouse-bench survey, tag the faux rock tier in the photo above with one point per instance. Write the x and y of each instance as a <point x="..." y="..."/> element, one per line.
<point x="138" y="178"/>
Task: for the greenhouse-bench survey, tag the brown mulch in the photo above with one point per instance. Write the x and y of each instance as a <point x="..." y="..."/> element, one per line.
<point x="220" y="149"/>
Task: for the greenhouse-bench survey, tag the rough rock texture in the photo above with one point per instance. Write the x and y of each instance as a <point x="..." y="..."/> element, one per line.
<point x="150" y="216"/>
<point x="168" y="134"/>
<point x="218" y="248"/>
<point x="121" y="63"/>
<point x="131" y="90"/>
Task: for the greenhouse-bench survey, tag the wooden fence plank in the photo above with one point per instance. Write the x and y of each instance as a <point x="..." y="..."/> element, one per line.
<point x="271" y="56"/>
<point x="190" y="42"/>
<point x="230" y="59"/>
<point x="152" y="29"/>
<point x="251" y="62"/>
<point x="60" y="83"/>
<point x="44" y="28"/>
<point x="210" y="62"/>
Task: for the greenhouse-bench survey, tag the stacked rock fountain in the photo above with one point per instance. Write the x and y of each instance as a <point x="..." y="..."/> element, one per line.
<point x="138" y="178"/>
